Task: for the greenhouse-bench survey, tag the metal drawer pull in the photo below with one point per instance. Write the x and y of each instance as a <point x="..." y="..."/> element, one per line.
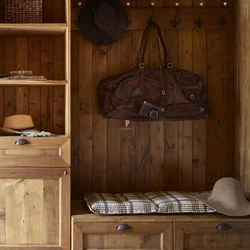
<point x="22" y="142"/>
<point x="224" y="227"/>
<point x="123" y="227"/>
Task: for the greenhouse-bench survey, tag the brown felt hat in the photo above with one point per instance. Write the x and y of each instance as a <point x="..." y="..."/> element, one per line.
<point x="18" y="124"/>
<point x="103" y="21"/>
<point x="227" y="198"/>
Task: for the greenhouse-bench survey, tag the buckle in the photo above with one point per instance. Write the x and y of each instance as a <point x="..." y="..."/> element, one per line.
<point x="141" y="65"/>
<point x="170" y="65"/>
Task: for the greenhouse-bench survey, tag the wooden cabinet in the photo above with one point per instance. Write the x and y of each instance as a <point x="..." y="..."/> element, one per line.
<point x="35" y="177"/>
<point x="34" y="208"/>
<point x="165" y="232"/>
<point x="212" y="235"/>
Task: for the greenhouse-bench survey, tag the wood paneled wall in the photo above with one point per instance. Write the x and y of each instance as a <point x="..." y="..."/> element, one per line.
<point x="186" y="155"/>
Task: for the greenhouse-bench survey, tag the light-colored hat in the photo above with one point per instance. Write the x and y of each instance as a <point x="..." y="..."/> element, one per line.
<point x="227" y="198"/>
<point x="18" y="124"/>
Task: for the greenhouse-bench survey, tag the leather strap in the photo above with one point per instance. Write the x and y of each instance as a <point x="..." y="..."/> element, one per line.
<point x="144" y="43"/>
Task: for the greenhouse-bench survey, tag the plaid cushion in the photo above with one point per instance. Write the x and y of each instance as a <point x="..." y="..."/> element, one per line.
<point x="178" y="202"/>
<point x="126" y="203"/>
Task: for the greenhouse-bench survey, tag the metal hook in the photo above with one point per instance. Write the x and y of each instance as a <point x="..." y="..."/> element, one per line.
<point x="222" y="21"/>
<point x="152" y="13"/>
<point x="198" y="21"/>
<point x="175" y="21"/>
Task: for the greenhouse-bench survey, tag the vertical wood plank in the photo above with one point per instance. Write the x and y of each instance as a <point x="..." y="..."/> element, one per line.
<point x="58" y="92"/>
<point x="75" y="116"/>
<point x="48" y="12"/>
<point x="156" y="155"/>
<point x="33" y="211"/>
<point x="185" y="127"/>
<point x="232" y="89"/>
<point x="15" y="218"/>
<point x="59" y="11"/>
<point x="2" y="211"/>
<point x="225" y="158"/>
<point x="171" y="140"/>
<point x="114" y="134"/>
<point x="1" y="88"/>
<point x="143" y="143"/>
<point x="35" y="92"/>
<point x="46" y="92"/>
<point x="100" y="71"/>
<point x="142" y="176"/>
<point x="243" y="59"/>
<point x="2" y="11"/>
<point x="9" y="65"/>
<point x="22" y="93"/>
<point x="85" y="109"/>
<point x="214" y="97"/>
<point x="199" y="127"/>
<point x="128" y="138"/>
<point x="51" y="210"/>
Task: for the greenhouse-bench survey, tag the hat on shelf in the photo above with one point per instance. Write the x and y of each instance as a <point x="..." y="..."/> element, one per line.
<point x="103" y="21"/>
<point x="18" y="124"/>
<point x="227" y="198"/>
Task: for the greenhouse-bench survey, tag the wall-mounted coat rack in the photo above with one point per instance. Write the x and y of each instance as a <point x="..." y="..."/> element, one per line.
<point x="177" y="17"/>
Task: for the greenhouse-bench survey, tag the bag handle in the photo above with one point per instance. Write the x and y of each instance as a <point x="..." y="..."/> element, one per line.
<point x="144" y="43"/>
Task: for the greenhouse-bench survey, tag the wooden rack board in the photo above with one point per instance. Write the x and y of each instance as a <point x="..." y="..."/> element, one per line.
<point x="163" y="16"/>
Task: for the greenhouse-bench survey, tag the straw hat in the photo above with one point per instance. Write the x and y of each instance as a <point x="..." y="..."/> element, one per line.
<point x="18" y="124"/>
<point x="227" y="198"/>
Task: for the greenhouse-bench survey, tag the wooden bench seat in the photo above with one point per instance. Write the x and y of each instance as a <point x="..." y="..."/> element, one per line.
<point x="196" y="232"/>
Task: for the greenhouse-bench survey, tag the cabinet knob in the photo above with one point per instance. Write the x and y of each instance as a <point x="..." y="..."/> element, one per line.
<point x="123" y="227"/>
<point x="65" y="172"/>
<point x="22" y="142"/>
<point x="224" y="227"/>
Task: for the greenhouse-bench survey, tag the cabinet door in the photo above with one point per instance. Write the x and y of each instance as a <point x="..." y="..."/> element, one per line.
<point x="34" y="208"/>
<point x="131" y="235"/>
<point x="209" y="236"/>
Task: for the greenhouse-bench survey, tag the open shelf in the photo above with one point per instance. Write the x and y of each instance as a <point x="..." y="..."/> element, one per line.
<point x="32" y="83"/>
<point x="32" y="29"/>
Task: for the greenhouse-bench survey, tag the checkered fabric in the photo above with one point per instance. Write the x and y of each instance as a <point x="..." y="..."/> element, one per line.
<point x="178" y="202"/>
<point x="125" y="203"/>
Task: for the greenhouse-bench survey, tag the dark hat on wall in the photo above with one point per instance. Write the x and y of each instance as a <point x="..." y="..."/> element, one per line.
<point x="103" y="21"/>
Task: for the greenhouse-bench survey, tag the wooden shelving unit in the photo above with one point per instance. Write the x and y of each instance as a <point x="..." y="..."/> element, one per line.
<point x="35" y="177"/>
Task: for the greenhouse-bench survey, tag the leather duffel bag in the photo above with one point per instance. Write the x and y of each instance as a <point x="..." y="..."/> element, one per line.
<point x="151" y="94"/>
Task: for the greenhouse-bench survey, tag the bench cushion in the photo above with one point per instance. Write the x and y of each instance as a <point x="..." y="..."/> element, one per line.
<point x="125" y="203"/>
<point x="178" y="202"/>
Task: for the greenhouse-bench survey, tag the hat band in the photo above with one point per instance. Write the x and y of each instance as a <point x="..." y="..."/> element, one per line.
<point x="17" y="129"/>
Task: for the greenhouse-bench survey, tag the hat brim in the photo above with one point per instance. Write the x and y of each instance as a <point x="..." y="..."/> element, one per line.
<point x="240" y="211"/>
<point x="91" y="31"/>
<point x="11" y="131"/>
